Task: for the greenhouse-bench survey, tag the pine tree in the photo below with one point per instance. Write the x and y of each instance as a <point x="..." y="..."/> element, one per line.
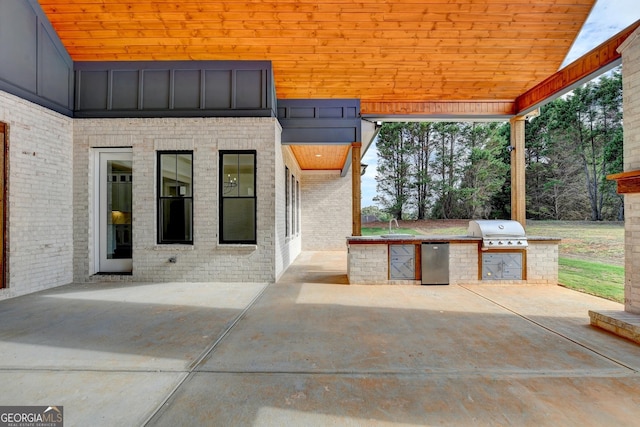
<point x="392" y="179"/>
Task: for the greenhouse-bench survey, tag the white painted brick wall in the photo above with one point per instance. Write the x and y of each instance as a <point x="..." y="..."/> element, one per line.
<point x="631" y="104"/>
<point x="368" y="264"/>
<point x="631" y="108"/>
<point x="326" y="210"/>
<point x="205" y="260"/>
<point x="632" y="251"/>
<point x="463" y="263"/>
<point x="542" y="263"/>
<point x="40" y="211"/>
<point x="287" y="247"/>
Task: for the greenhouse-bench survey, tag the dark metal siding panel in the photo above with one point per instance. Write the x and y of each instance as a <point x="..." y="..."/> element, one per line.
<point x="54" y="71"/>
<point x="156" y="90"/>
<point x="318" y="134"/>
<point x="35" y="65"/>
<point x="319" y="121"/>
<point x="250" y="92"/>
<point x="218" y="90"/>
<point x="125" y="89"/>
<point x="18" y="44"/>
<point x="175" y="89"/>
<point x="187" y="87"/>
<point x="92" y="91"/>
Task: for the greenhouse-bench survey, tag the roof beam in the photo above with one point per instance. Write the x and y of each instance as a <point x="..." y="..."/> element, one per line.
<point x="580" y="71"/>
<point x="438" y="109"/>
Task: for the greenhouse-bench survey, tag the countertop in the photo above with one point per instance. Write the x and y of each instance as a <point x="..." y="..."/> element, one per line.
<point x="414" y="239"/>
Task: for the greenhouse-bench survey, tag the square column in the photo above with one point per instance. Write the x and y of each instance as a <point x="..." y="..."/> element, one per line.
<point x="630" y="51"/>
<point x="627" y="323"/>
<point x="356" y="191"/>
<point x="518" y="187"/>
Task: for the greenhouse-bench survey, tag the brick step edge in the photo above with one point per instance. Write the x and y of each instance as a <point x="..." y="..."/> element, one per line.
<point x="621" y="323"/>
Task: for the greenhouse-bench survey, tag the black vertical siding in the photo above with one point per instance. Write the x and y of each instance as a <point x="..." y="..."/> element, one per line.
<point x="174" y="89"/>
<point x="34" y="64"/>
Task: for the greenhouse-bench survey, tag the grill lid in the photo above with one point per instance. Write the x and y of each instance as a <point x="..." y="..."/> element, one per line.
<point x="498" y="233"/>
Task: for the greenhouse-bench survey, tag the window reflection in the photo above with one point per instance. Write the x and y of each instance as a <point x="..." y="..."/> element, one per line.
<point x="238" y="210"/>
<point x="175" y="205"/>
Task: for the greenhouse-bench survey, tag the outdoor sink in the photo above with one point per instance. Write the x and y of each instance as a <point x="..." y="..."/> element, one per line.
<point x="396" y="236"/>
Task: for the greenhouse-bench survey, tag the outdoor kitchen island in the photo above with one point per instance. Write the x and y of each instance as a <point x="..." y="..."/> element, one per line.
<point x="397" y="259"/>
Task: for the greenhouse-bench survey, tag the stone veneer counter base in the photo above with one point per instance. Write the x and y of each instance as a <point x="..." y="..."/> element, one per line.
<point x="621" y="323"/>
<point x="369" y="260"/>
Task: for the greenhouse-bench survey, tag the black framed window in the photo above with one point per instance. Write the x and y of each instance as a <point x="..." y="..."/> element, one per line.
<point x="286" y="201"/>
<point x="294" y="204"/>
<point x="238" y="197"/>
<point x="298" y="209"/>
<point x="175" y="197"/>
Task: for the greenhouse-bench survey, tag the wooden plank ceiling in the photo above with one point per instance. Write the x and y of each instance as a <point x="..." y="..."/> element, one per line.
<point x="463" y="54"/>
<point x="322" y="157"/>
<point x="398" y="50"/>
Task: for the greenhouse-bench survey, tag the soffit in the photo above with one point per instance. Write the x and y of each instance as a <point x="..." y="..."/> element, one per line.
<point x="374" y="50"/>
<point x="321" y="157"/>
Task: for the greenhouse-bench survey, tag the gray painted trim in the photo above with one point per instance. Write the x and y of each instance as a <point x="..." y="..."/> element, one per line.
<point x="35" y="65"/>
<point x="320" y="121"/>
<point x="174" y="89"/>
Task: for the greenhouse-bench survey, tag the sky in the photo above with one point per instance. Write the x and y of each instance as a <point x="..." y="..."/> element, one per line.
<point x="607" y="18"/>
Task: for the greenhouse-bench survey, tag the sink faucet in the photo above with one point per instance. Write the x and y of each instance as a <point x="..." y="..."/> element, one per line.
<point x="390" y="221"/>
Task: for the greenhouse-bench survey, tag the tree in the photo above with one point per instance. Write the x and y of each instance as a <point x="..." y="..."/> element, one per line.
<point x="446" y="167"/>
<point x="421" y="149"/>
<point x="555" y="180"/>
<point x="456" y="170"/>
<point x="392" y="180"/>
<point x="609" y="99"/>
<point x="484" y="172"/>
<point x="597" y="107"/>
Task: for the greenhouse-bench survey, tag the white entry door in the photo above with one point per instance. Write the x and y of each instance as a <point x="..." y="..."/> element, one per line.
<point x="114" y="211"/>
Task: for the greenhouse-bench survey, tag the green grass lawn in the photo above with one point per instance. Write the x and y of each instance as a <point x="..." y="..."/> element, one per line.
<point x="603" y="280"/>
<point x="377" y="231"/>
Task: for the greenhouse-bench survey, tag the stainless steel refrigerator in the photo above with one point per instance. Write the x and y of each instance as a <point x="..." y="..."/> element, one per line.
<point x="435" y="263"/>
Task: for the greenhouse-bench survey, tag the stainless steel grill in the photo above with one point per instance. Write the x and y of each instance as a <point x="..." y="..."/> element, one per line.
<point x="498" y="234"/>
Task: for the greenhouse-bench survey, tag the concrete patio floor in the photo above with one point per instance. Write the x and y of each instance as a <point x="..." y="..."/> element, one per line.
<point x="312" y="351"/>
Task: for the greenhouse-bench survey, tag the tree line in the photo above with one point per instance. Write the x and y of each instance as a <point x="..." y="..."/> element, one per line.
<point x="446" y="170"/>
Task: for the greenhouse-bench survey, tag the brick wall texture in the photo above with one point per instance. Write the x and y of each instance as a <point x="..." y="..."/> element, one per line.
<point x="40" y="211"/>
<point x="326" y="210"/>
<point x="631" y="108"/>
<point x="206" y="259"/>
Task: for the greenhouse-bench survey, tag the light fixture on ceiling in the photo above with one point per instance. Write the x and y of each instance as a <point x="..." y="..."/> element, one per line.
<point x="363" y="168"/>
<point x="230" y="184"/>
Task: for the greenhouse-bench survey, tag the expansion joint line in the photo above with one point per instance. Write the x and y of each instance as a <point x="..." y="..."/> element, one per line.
<point x="192" y="367"/>
<point x="528" y="319"/>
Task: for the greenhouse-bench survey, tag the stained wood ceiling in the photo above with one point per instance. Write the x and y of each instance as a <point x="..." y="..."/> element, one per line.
<point x="449" y="56"/>
<point x="322" y="157"/>
<point x="375" y="50"/>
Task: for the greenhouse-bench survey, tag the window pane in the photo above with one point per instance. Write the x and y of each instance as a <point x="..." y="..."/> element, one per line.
<point x="184" y="177"/>
<point x="168" y="174"/>
<point x="245" y="163"/>
<point x="176" y="220"/>
<point x="119" y="209"/>
<point x="239" y="220"/>
<point x="230" y="175"/>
